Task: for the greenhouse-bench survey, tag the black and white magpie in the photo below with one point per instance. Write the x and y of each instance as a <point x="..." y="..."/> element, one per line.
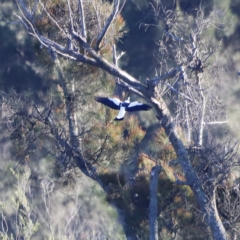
<point x="128" y="106"/>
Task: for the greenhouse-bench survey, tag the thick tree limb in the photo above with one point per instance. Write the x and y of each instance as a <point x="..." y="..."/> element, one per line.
<point x="171" y="74"/>
<point x="207" y="207"/>
<point x="153" y="208"/>
<point x="131" y="89"/>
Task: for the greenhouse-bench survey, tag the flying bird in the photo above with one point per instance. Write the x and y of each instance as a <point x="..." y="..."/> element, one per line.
<point x="128" y="106"/>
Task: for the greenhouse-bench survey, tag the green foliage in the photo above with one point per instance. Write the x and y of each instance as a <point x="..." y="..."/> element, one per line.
<point x="165" y="151"/>
<point x="108" y="145"/>
<point x="176" y="203"/>
<point x="25" y="226"/>
<point x="111" y="143"/>
<point x="53" y="214"/>
<point x="96" y="15"/>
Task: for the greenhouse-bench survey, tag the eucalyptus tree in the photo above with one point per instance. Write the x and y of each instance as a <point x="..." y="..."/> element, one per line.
<point x="184" y="93"/>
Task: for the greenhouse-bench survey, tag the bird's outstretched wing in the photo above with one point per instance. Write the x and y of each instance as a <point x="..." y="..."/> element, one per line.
<point x="110" y="102"/>
<point x="136" y="106"/>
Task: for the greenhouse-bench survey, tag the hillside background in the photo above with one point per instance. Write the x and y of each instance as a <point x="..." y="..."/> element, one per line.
<point x="22" y="68"/>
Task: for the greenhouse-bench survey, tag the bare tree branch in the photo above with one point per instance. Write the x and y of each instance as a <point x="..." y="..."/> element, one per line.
<point x="153" y="208"/>
<point x="83" y="29"/>
<point x="215" y="123"/>
<point x="187" y="79"/>
<point x="103" y="32"/>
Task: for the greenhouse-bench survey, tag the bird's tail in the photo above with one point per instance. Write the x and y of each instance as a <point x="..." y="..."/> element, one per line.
<point x="118" y="119"/>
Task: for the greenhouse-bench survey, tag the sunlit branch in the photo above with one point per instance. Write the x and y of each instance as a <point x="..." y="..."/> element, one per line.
<point x="193" y="46"/>
<point x="203" y="112"/>
<point x="24" y="10"/>
<point x="189" y="128"/>
<point x="115" y="56"/>
<point x="153" y="203"/>
<point x="28" y="18"/>
<point x="83" y="29"/>
<point x="118" y="90"/>
<point x="108" y="23"/>
<point x="215" y="123"/>
<point x="70" y="15"/>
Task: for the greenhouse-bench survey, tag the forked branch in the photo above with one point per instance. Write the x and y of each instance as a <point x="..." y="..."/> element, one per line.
<point x="108" y="23"/>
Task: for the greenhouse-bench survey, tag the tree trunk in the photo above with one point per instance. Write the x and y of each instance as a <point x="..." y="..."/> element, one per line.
<point x="206" y="205"/>
<point x="153" y="223"/>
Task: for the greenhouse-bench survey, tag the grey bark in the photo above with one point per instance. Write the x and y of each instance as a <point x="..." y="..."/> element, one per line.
<point x="153" y="207"/>
<point x="206" y="205"/>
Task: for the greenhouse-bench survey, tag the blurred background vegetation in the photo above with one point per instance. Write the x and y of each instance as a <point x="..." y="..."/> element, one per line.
<point x="26" y="68"/>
